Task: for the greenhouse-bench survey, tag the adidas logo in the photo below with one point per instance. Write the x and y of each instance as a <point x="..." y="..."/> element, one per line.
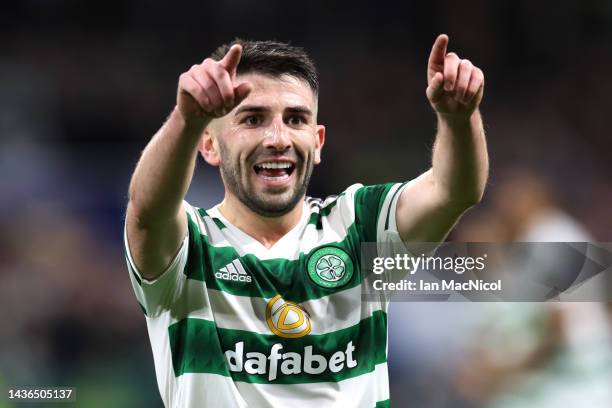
<point x="233" y="271"/>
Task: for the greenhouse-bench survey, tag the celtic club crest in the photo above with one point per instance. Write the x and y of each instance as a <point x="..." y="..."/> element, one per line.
<point x="330" y="267"/>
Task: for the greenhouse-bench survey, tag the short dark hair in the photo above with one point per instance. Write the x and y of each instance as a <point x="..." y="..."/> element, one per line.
<point x="274" y="59"/>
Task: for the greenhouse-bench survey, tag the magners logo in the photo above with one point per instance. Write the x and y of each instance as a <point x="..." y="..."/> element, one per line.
<point x="287" y="319"/>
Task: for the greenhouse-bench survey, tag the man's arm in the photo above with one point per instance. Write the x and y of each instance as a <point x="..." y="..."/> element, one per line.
<point x="431" y="205"/>
<point x="155" y="221"/>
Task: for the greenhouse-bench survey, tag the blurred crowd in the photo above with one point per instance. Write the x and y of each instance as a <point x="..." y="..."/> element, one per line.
<point x="510" y="354"/>
<point x="83" y="86"/>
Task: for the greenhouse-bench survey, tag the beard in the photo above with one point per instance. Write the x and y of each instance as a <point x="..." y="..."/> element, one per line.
<point x="284" y="201"/>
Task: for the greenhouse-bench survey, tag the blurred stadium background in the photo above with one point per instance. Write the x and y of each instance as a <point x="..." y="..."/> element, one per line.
<point x="84" y="85"/>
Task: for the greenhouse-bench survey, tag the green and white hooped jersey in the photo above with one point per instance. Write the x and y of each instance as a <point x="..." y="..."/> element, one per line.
<point x="233" y="324"/>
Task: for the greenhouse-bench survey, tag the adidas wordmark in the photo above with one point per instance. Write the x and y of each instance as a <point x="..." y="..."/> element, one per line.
<point x="233" y="271"/>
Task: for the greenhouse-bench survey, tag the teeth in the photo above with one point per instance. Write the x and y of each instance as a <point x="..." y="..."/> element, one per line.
<point x="274" y="165"/>
<point x="285" y="176"/>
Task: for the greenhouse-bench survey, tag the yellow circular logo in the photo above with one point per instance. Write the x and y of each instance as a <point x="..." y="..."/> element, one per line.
<point x="287" y="319"/>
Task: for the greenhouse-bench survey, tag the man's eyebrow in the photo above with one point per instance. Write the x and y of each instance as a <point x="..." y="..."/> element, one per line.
<point x="259" y="109"/>
<point x="251" y="108"/>
<point x="299" y="109"/>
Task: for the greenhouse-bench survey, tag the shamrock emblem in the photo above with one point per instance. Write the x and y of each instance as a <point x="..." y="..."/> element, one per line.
<point x="330" y="267"/>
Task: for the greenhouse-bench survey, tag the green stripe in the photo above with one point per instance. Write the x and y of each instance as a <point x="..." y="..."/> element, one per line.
<point x="287" y="277"/>
<point x="383" y="404"/>
<point x="196" y="346"/>
<point x="217" y="221"/>
<point x="368" y="204"/>
<point x="269" y="277"/>
<point x="317" y="216"/>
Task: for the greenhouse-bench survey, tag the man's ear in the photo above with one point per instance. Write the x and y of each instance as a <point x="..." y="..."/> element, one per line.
<point x="209" y="149"/>
<point x="319" y="142"/>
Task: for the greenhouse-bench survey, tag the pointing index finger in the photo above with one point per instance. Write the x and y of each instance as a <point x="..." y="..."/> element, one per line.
<point x="436" y="57"/>
<point x="231" y="59"/>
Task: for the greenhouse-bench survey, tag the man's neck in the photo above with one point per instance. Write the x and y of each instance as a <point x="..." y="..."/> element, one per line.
<point x="266" y="230"/>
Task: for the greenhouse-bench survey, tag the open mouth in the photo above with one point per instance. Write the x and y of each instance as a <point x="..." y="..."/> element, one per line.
<point x="274" y="170"/>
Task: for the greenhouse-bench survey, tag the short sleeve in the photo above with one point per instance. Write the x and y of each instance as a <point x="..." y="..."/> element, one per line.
<point x="375" y="208"/>
<point x="387" y="235"/>
<point x="159" y="294"/>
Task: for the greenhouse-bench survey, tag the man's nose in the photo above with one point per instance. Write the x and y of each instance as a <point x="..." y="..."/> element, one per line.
<point x="276" y="136"/>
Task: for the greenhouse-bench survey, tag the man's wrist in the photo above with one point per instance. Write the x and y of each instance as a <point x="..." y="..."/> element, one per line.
<point x="459" y="121"/>
<point x="187" y="127"/>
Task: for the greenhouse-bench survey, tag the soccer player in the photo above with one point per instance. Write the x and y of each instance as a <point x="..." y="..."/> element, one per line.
<point x="256" y="301"/>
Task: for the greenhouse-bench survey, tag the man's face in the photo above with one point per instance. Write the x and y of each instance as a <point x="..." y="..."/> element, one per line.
<point x="267" y="146"/>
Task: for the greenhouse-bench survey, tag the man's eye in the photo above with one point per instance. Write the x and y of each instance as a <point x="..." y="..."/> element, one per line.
<point x="296" y="120"/>
<point x="252" y="120"/>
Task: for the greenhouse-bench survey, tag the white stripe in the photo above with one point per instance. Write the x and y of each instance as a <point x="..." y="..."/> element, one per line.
<point x="231" y="268"/>
<point x="239" y="267"/>
<point x="162" y="357"/>
<point x="362" y="391"/>
<point x="328" y="314"/>
<point x="207" y="390"/>
<point x="158" y="294"/>
<point x="385" y="209"/>
<point x="195" y="216"/>
<point x="335" y="227"/>
<point x="389" y="241"/>
<point x="193" y="302"/>
<point x="357" y="392"/>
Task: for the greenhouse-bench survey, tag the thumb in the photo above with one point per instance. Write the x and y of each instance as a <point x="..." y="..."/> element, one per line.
<point x="241" y="92"/>
<point x="435" y="90"/>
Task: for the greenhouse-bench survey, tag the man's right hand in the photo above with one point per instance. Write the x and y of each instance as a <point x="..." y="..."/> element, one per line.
<point x="156" y="221"/>
<point x="209" y="90"/>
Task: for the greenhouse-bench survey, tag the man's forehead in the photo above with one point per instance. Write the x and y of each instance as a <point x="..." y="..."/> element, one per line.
<point x="285" y="90"/>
